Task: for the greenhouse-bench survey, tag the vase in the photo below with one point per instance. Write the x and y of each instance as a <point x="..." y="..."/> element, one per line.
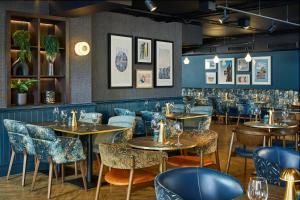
<point x="50" y="69"/>
<point x="20" y="68"/>
<point x="21" y="99"/>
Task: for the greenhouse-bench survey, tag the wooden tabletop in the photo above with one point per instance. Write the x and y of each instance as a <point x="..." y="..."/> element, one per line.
<point x="275" y="193"/>
<point x="88" y="129"/>
<point x="183" y="116"/>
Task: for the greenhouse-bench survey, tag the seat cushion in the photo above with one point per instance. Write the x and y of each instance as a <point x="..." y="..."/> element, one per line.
<point x="121" y="176"/>
<point x="187" y="161"/>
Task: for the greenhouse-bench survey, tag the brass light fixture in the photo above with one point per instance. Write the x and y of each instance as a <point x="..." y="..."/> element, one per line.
<point x="291" y="176"/>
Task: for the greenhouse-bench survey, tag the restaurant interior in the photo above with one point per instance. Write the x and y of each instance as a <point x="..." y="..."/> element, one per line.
<point x="149" y="99"/>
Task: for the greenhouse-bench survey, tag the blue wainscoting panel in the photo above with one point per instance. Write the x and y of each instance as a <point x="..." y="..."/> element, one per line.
<point x="285" y="71"/>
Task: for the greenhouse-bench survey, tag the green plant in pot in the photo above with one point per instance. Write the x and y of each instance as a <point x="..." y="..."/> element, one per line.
<point x="51" y="46"/>
<point x="22" y="87"/>
<point x="21" y="39"/>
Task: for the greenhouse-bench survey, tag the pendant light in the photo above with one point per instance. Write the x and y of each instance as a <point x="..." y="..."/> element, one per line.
<point x="186" y="61"/>
<point x="216" y="59"/>
<point x="248" y="57"/>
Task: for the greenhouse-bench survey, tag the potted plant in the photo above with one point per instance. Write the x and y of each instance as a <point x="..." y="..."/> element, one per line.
<point x="51" y="46"/>
<point x="22" y="87"/>
<point x="21" y="39"/>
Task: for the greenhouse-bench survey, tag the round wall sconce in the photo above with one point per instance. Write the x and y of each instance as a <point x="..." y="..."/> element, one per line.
<point x="82" y="48"/>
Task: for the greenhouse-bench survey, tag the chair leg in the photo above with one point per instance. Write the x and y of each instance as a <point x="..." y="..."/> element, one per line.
<point x="82" y="169"/>
<point x="24" y="168"/>
<point x="62" y="173"/>
<point x="238" y="121"/>
<point x="98" y="159"/>
<point x="55" y="171"/>
<point x="99" y="182"/>
<point x="217" y="159"/>
<point x="129" y="184"/>
<point x="245" y="166"/>
<point x="75" y="167"/>
<point x="229" y="153"/>
<point x="36" y="169"/>
<point x="12" y="157"/>
<point x="201" y="158"/>
<point x="50" y="178"/>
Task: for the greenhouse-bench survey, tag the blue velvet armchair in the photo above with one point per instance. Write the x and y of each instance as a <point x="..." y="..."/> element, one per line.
<point x="270" y="161"/>
<point x="192" y="184"/>
<point x="55" y="150"/>
<point x="20" y="143"/>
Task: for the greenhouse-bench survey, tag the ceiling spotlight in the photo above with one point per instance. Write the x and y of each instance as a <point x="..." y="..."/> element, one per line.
<point x="216" y="59"/>
<point x="248" y="57"/>
<point x="272" y="28"/>
<point x="186" y="61"/>
<point x="224" y="18"/>
<point x="244" y="22"/>
<point x="150" y="5"/>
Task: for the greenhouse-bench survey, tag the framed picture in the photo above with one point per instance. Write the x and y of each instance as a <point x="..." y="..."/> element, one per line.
<point x="243" y="79"/>
<point x="261" y="70"/>
<point x="143" y="50"/>
<point x="242" y="65"/>
<point x="144" y="78"/>
<point x="210" y="77"/>
<point x="226" y="71"/>
<point x="210" y="64"/>
<point x="163" y="63"/>
<point x="120" y="61"/>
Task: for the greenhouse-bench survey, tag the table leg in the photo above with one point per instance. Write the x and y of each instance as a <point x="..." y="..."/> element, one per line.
<point x="89" y="158"/>
<point x="162" y="165"/>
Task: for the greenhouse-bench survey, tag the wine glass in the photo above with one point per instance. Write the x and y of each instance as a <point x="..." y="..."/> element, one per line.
<point x="285" y="115"/>
<point x="257" y="188"/>
<point x="95" y="119"/>
<point x="64" y="115"/>
<point x="157" y="106"/>
<point x="257" y="112"/>
<point x="82" y="116"/>
<point x="179" y="131"/>
<point x="56" y="114"/>
<point x="146" y="104"/>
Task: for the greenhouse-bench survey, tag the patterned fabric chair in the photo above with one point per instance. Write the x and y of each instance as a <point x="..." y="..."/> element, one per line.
<point x="55" y="150"/>
<point x="192" y="183"/>
<point x="270" y="161"/>
<point x="208" y="144"/>
<point x="200" y="123"/>
<point x="127" y="164"/>
<point x="88" y="117"/>
<point x="139" y="128"/>
<point x="20" y="143"/>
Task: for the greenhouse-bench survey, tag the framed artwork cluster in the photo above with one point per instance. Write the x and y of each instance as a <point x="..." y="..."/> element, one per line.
<point x="224" y="72"/>
<point x="120" y="65"/>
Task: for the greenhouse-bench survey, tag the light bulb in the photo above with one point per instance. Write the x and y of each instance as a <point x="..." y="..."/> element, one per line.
<point x="216" y="59"/>
<point x="248" y="57"/>
<point x="186" y="61"/>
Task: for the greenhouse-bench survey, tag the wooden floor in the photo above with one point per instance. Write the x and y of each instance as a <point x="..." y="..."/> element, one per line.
<point x="12" y="190"/>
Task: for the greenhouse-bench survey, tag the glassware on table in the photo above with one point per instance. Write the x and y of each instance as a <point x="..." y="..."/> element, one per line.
<point x="64" y="115"/>
<point x="257" y="188"/>
<point x="56" y="114"/>
<point x="157" y="106"/>
<point x="82" y="117"/>
<point x="257" y="112"/>
<point x="285" y="115"/>
<point x="95" y="119"/>
<point x="146" y="104"/>
<point x="179" y="131"/>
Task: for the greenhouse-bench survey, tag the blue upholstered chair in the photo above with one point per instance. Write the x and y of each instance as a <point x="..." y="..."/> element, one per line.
<point x="147" y="117"/>
<point x="270" y="161"/>
<point x="139" y="124"/>
<point x="196" y="184"/>
<point x="20" y="143"/>
<point x="55" y="150"/>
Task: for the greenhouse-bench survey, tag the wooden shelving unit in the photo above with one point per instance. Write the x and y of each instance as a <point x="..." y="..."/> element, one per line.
<point x="39" y="27"/>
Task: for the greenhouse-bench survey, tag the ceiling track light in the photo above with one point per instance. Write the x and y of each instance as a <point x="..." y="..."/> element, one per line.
<point x="272" y="28"/>
<point x="224" y="18"/>
<point x="186" y="61"/>
<point x="216" y="59"/>
<point x="244" y="23"/>
<point x="150" y="5"/>
<point x="248" y="58"/>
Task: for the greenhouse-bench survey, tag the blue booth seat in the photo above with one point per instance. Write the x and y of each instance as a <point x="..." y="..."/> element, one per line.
<point x="196" y="184"/>
<point x="270" y="161"/>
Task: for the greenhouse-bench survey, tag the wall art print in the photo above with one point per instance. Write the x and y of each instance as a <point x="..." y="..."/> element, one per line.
<point x="143" y="50"/>
<point x="243" y="79"/>
<point x="120" y="61"/>
<point x="144" y="78"/>
<point x="261" y="70"/>
<point x="210" y="64"/>
<point x="226" y="71"/>
<point x="210" y="77"/>
<point x="164" y="63"/>
<point x="242" y="65"/>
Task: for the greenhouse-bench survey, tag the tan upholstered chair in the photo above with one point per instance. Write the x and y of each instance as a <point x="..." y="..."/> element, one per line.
<point x="127" y="164"/>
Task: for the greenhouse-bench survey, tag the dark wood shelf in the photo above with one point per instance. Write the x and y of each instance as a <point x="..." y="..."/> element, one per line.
<point x="14" y="48"/>
<point x="55" y="76"/>
<point x="22" y="77"/>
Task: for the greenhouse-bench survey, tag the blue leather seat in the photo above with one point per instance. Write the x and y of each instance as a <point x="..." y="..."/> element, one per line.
<point x="270" y="161"/>
<point x="192" y="184"/>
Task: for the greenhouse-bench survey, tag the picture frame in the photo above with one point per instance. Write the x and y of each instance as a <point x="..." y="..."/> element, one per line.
<point x="243" y="79"/>
<point x="242" y="65"/>
<point x="261" y="70"/>
<point x="210" y="64"/>
<point x="210" y="78"/>
<point x="120" y="61"/>
<point x="226" y="71"/>
<point x="164" y="63"/>
<point x="143" y="50"/>
<point x="144" y="78"/>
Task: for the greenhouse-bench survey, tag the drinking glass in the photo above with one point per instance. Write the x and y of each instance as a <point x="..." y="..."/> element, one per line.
<point x="157" y="106"/>
<point x="257" y="188"/>
<point x="64" y="115"/>
<point x="56" y="114"/>
<point x="285" y="115"/>
<point x="179" y="131"/>
<point x="82" y="116"/>
<point x="95" y="119"/>
<point x="257" y="112"/>
<point x="146" y="104"/>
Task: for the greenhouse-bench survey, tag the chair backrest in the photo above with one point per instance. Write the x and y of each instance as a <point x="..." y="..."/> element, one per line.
<point x="191" y="183"/>
<point x="123" y="121"/>
<point x="250" y="136"/>
<point x="88" y="117"/>
<point x="178" y="108"/>
<point x="208" y="140"/>
<point x="147" y="116"/>
<point x="123" y="111"/>
<point x="202" y="110"/>
<point x="18" y="136"/>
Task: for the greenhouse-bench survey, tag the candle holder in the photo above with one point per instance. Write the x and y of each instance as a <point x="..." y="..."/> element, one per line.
<point x="290" y="176"/>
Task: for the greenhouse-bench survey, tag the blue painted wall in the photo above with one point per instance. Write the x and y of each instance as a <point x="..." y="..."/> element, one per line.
<point x="285" y="70"/>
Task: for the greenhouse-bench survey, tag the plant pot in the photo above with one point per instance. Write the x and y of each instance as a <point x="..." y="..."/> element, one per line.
<point x="50" y="69"/>
<point x="21" y="99"/>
